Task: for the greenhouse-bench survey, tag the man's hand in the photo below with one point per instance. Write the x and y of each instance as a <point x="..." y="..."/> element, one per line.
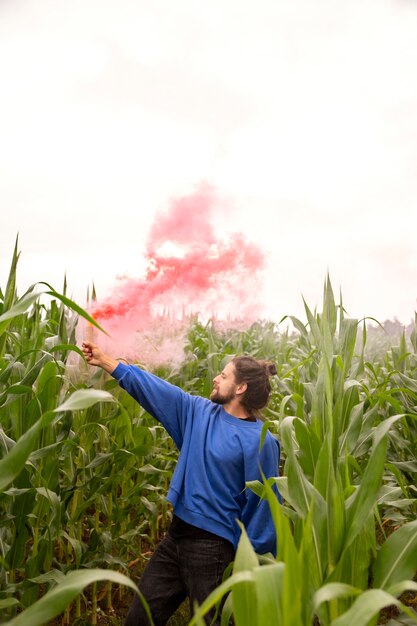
<point x="95" y="356"/>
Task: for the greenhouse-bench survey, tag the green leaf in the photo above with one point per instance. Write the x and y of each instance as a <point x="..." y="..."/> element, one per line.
<point x="12" y="464"/>
<point x="365" y="607"/>
<point x="269" y="590"/>
<point x="72" y="305"/>
<point x="10" y="292"/>
<point x="405" y="585"/>
<point x="362" y="502"/>
<point x="21" y="306"/>
<point x="314" y="327"/>
<point x="83" y="399"/>
<point x="6" y="603"/>
<point x="217" y="595"/>
<point x="55" y="601"/>
<point x="397" y="558"/>
<point x="292" y="590"/>
<point x="335" y="514"/>
<point x="300" y="489"/>
<point x="151" y="469"/>
<point x="332" y="591"/>
<point x="244" y="595"/>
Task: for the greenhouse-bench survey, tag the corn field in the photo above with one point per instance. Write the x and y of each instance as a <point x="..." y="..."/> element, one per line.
<point x="84" y="471"/>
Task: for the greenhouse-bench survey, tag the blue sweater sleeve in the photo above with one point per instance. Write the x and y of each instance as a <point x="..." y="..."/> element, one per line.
<point x="256" y="514"/>
<point x="165" y="402"/>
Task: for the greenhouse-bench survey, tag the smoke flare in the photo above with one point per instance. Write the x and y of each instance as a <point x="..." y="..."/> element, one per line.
<point x="191" y="270"/>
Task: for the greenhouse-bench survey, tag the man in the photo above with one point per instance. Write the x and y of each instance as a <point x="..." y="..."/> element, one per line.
<point x="219" y="444"/>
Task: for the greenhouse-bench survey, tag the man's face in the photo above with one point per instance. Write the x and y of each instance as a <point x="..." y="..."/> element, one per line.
<point x="224" y="386"/>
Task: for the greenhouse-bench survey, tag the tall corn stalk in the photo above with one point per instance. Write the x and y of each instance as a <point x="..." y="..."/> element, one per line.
<point x="335" y="443"/>
<point x="54" y="442"/>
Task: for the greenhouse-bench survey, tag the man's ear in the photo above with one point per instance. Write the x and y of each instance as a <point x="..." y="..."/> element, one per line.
<point x="241" y="388"/>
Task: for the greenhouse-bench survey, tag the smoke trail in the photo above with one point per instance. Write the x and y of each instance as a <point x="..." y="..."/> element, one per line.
<point x="190" y="270"/>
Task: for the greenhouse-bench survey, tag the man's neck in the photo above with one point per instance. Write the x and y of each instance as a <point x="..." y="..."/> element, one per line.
<point x="236" y="410"/>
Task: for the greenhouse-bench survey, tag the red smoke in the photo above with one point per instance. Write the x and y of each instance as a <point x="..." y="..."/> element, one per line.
<point x="190" y="270"/>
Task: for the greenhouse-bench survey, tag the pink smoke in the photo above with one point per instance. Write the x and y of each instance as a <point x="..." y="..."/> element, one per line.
<point x="190" y="270"/>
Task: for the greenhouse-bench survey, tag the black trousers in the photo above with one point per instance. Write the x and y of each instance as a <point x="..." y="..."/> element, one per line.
<point x="179" y="569"/>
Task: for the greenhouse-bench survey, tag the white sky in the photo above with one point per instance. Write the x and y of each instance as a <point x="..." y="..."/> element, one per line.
<point x="302" y="114"/>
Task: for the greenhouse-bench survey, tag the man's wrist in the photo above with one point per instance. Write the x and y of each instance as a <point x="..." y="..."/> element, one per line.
<point x="109" y="364"/>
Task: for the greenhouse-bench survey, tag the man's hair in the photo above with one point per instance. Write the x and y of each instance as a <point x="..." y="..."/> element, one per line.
<point x="256" y="375"/>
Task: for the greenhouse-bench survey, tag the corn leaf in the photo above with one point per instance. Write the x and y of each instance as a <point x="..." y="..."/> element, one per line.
<point x="55" y="601"/>
<point x="367" y="606"/>
<point x="217" y="595"/>
<point x="397" y="558"/>
<point x="244" y="595"/>
<point x="84" y="398"/>
<point x="269" y="582"/>
<point x="12" y="464"/>
<point x="332" y="591"/>
<point x="362" y="502"/>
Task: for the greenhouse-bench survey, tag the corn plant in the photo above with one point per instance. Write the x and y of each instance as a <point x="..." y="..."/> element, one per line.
<point x="84" y="470"/>
<point x="57" y="504"/>
<point x="336" y="446"/>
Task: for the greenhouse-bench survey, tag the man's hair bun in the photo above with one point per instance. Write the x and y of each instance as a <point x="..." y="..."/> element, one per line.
<point x="270" y="368"/>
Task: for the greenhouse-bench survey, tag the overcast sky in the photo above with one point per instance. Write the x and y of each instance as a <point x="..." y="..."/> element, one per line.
<point x="302" y="115"/>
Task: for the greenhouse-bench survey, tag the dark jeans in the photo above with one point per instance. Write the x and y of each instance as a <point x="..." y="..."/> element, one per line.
<point x="178" y="569"/>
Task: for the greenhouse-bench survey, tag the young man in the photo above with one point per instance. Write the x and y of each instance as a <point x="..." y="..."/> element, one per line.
<point x="219" y="444"/>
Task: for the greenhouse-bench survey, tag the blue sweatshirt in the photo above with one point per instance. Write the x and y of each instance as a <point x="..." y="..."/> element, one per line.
<point x="218" y="454"/>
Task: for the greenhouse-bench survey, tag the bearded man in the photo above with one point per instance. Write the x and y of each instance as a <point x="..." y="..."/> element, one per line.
<point x="219" y="442"/>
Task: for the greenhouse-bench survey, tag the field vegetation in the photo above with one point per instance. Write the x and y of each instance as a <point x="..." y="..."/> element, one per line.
<point x="84" y="471"/>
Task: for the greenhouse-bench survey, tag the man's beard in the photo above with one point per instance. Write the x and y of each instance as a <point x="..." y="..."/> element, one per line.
<point x="219" y="398"/>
